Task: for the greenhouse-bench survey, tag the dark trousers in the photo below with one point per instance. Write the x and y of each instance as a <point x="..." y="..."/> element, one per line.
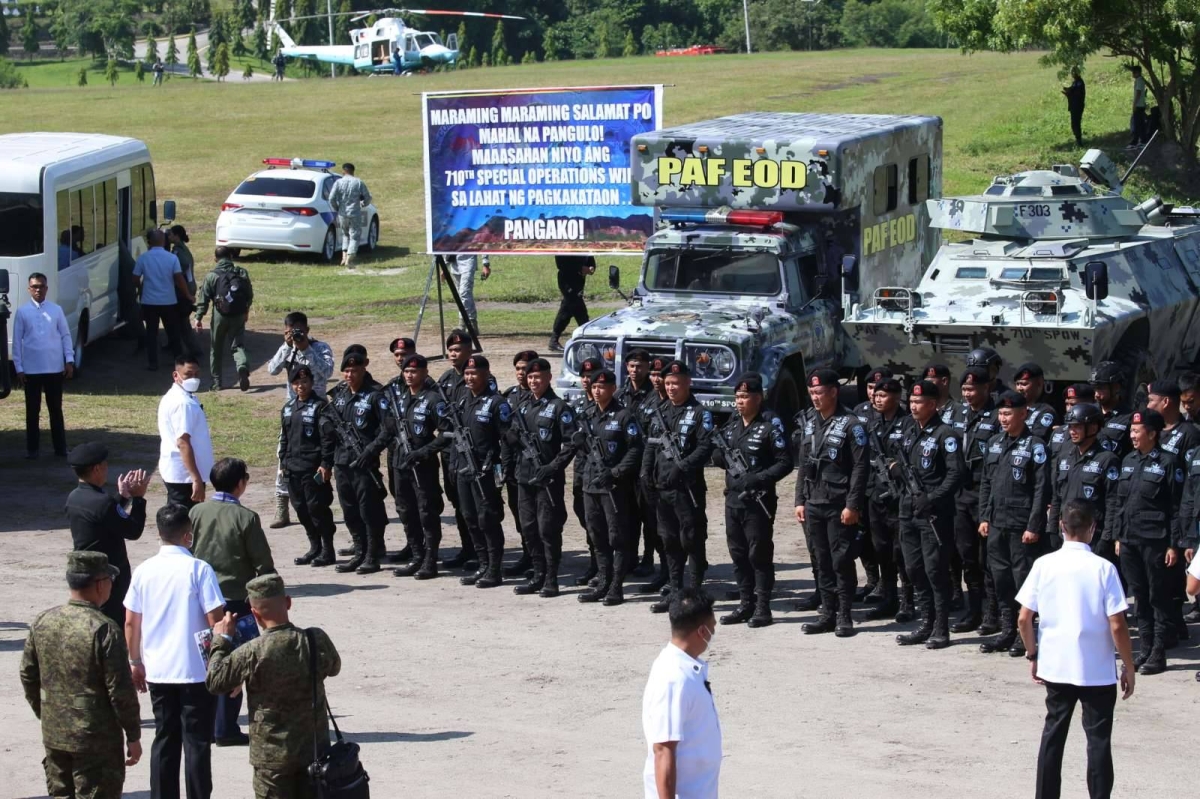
<point x="1077" y="125"/>
<point x="647" y="500"/>
<point x="179" y="494"/>
<point x="168" y="315"/>
<point x="684" y="528"/>
<point x="1010" y="561"/>
<point x="225" y="722"/>
<point x="419" y="499"/>
<point x="183" y="723"/>
<point x="52" y="386"/>
<point x="927" y="558"/>
<point x="572" y="305"/>
<point x="188" y="342"/>
<point x="450" y="483"/>
<point x="606" y="515"/>
<point x="832" y="544"/>
<point x="482" y="508"/>
<point x="1098" y="702"/>
<point x="885" y="539"/>
<point x="312" y="501"/>
<point x="750" y="534"/>
<point x="363" y="511"/>
<point x="512" y="494"/>
<point x="543" y="513"/>
<point x="971" y="546"/>
<point x="1144" y="564"/>
<point x="1137" y="126"/>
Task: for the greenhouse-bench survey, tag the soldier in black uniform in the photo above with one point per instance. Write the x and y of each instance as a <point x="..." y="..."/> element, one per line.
<point x="750" y="499"/>
<point x="307" y="449"/>
<point x="989" y="359"/>
<point x="934" y="452"/>
<point x="1106" y="383"/>
<point x="485" y="417"/>
<point x="1060" y="436"/>
<point x="656" y="400"/>
<point x="539" y="443"/>
<point x="1030" y="382"/>
<point x="516" y="394"/>
<point x="644" y="523"/>
<point x="458" y="349"/>
<point x="872" y="592"/>
<point x="939" y="375"/>
<point x="1013" y="498"/>
<point x="400" y="348"/>
<point x="831" y="494"/>
<point x="1189" y="396"/>
<point x="102" y="524"/>
<point x="1085" y="470"/>
<point x="1148" y="531"/>
<point x="682" y="521"/>
<point x="416" y="485"/>
<point x="580" y="405"/>
<point x="975" y="421"/>
<point x="360" y="402"/>
<point x="610" y="443"/>
<point x="887" y="422"/>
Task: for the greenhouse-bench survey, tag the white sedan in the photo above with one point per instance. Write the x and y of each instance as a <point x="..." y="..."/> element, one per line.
<point x="288" y="209"/>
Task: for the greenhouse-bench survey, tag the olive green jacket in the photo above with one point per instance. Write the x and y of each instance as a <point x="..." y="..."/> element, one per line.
<point x="229" y="537"/>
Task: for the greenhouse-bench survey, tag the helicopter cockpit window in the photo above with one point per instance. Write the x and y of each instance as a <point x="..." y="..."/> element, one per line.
<point x="971" y="273"/>
<point x="713" y="272"/>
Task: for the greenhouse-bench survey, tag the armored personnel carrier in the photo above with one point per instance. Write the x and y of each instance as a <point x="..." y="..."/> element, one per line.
<point x="1062" y="270"/>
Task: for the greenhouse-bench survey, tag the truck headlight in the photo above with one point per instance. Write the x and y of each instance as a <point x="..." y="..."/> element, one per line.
<point x="710" y="361"/>
<point x="604" y="352"/>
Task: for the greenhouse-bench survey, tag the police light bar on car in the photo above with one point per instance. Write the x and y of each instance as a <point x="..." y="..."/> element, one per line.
<point x="299" y="163"/>
<point x="721" y="216"/>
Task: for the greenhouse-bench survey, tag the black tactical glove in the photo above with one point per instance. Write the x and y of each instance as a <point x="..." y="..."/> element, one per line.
<point x="542" y="475"/>
<point x="361" y="462"/>
<point x="922" y="505"/>
<point x="737" y="483"/>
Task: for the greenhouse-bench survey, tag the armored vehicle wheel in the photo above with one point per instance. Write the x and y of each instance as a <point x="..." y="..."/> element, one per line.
<point x="1135" y="364"/>
<point x="786" y="398"/>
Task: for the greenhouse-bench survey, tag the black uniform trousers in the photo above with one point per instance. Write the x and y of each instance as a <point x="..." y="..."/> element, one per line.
<point x="648" y="509"/>
<point x="831" y="544"/>
<point x="482" y="508"/>
<point x="450" y="484"/>
<point x="1077" y="125"/>
<point x="1009" y="561"/>
<point x="362" y="507"/>
<point x="312" y="501"/>
<point x="419" y="496"/>
<point x="1098" y="702"/>
<point x="512" y="493"/>
<point x="607" y="515"/>
<point x="570" y="285"/>
<point x="543" y="513"/>
<point x="885" y="539"/>
<point x="183" y="724"/>
<point x="169" y="316"/>
<point x="180" y="494"/>
<point x="1144" y="564"/>
<point x="971" y="546"/>
<point x="927" y="557"/>
<point x="52" y="387"/>
<point x="577" y="500"/>
<point x="684" y="528"/>
<point x="225" y="722"/>
<point x="750" y="534"/>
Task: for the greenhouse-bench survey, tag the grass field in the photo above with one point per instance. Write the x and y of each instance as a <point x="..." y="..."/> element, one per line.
<point x="1002" y="113"/>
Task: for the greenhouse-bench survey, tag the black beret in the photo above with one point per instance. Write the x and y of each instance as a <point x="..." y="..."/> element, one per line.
<point x="658" y="364"/>
<point x="478" y="363"/>
<point x="1081" y="392"/>
<point x="1166" y="388"/>
<point x="750" y="382"/>
<point x="936" y="370"/>
<point x="402" y="343"/>
<point x="637" y="354"/>
<point x="86" y="455"/>
<point x="878" y="374"/>
<point x="822" y="377"/>
<point x="1149" y="418"/>
<point x="415" y="361"/>
<point x="1011" y="399"/>
<point x="1029" y="370"/>
<point x="975" y="376"/>
<point x="888" y="385"/>
<point x="299" y="372"/>
<point x="923" y="389"/>
<point x="457" y="337"/>
<point x="676" y="368"/>
<point x="537" y="365"/>
<point x="604" y="376"/>
<point x="527" y="356"/>
<point x="360" y="349"/>
<point x="353" y="359"/>
<point x="1106" y="372"/>
<point x="589" y="365"/>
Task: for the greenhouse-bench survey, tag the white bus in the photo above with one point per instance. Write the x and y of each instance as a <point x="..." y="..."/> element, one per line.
<point x="69" y="202"/>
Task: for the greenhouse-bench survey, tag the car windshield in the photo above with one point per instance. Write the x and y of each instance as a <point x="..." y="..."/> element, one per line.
<point x="296" y="188"/>
<point x="20" y="224"/>
<point x="713" y="271"/>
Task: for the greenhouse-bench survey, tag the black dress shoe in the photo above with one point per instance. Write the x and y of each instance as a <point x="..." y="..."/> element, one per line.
<point x="237" y="739"/>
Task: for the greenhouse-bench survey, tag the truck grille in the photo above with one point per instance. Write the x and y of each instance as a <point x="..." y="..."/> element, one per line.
<point x="657" y="349"/>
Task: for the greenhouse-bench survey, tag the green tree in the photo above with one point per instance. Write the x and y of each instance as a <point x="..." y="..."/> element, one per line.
<point x="248" y="72"/>
<point x="10" y="76"/>
<point x="151" y="49"/>
<point x="473" y="58"/>
<point x="630" y="48"/>
<point x="244" y="14"/>
<point x="139" y="71"/>
<point x="217" y="35"/>
<point x="462" y="36"/>
<point x="29" y="36"/>
<point x="603" y="46"/>
<point x="888" y="23"/>
<point x="498" y="50"/>
<point x="239" y="45"/>
<point x="81" y="78"/>
<point x="275" y="44"/>
<point x="4" y="36"/>
<point x="487" y="59"/>
<point x="111" y="73"/>
<point x="341" y="23"/>
<point x="260" y="43"/>
<point x="193" y="56"/>
<point x="172" y="59"/>
<point x="221" y="62"/>
<point x="1162" y="37"/>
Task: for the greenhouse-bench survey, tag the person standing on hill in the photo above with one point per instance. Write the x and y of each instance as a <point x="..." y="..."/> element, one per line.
<point x="229" y="289"/>
<point x="1076" y="95"/>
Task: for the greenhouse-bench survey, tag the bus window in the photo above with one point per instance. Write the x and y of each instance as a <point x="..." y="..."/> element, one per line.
<point x="137" y="199"/>
<point x="21" y="226"/>
<point x="886" y="189"/>
<point x="83" y="223"/>
<point x="62" y="204"/>
<point x="106" y="213"/>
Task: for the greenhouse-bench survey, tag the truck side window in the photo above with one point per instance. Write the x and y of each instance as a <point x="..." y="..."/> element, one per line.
<point x="887" y="184"/>
<point x="918" y="179"/>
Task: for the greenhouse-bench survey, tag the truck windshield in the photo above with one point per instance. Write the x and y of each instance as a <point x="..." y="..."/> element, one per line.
<point x="713" y="271"/>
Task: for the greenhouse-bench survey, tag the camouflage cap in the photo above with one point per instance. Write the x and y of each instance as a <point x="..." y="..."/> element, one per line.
<point x="604" y="377"/>
<point x="478" y="363"/>
<point x="1029" y="371"/>
<point x="1080" y="392"/>
<point x="1152" y="419"/>
<point x="888" y="386"/>
<point x="936" y="370"/>
<point x="528" y="356"/>
<point x="678" y="368"/>
<point x="402" y="344"/>
<point x="750" y="382"/>
<point x="822" y="378"/>
<point x="877" y="375"/>
<point x="537" y="365"/>
<point x="94" y="452"/>
<point x="1011" y="399"/>
<point x="637" y="354"/>
<point x="266" y="586"/>
<point x="974" y="376"/>
<point x="416" y="361"/>
<point x="458" y="337"/>
<point x="1106" y="372"/>
<point x="923" y="390"/>
<point x="1166" y="388"/>
<point x="1083" y="413"/>
<point x="90" y="563"/>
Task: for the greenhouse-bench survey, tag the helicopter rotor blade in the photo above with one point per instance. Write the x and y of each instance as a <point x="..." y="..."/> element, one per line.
<point x="432" y="13"/>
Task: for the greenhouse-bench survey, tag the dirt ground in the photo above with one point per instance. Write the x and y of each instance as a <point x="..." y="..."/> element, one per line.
<point x="456" y="691"/>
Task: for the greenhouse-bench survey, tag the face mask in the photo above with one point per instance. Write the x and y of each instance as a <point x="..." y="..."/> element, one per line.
<point x="708" y="639"/>
<point x="191" y="385"/>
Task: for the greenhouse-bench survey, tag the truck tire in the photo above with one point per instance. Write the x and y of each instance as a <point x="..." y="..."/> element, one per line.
<point x="786" y="397"/>
<point x="1135" y="364"/>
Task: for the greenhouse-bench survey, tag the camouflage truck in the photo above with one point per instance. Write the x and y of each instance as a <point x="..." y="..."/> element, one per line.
<point x="1063" y="270"/>
<point x="769" y="224"/>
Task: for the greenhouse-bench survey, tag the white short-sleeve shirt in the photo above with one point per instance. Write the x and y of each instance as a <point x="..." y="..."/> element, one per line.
<point x="173" y="591"/>
<point x="1074" y="592"/>
<point x="180" y="412"/>
<point x="677" y="705"/>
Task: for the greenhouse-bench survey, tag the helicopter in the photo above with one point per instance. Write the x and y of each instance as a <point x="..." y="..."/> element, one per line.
<point x="389" y="46"/>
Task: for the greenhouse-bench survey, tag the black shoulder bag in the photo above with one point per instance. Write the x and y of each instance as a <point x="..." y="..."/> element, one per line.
<point x="338" y="774"/>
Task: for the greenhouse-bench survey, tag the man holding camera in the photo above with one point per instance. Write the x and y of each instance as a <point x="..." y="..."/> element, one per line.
<point x="297" y="350"/>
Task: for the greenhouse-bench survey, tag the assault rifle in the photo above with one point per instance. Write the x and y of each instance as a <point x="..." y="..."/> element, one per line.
<point x="352" y="440"/>
<point x="912" y="482"/>
<point x="529" y="447"/>
<point x="882" y="473"/>
<point x="594" y="451"/>
<point x="670" y="444"/>
<point x="464" y="442"/>
<point x="736" y="466"/>
<point x="402" y="430"/>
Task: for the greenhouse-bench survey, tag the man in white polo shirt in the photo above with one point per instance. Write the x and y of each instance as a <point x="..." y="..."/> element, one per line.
<point x="679" y="716"/>
<point x="172" y="597"/>
<point x="185" y="452"/>
<point x="1081" y="606"/>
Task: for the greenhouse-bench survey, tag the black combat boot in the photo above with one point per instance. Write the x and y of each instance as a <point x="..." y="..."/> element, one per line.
<point x="906" y="613"/>
<point x="429" y="566"/>
<point x="970" y="620"/>
<point x="376" y="552"/>
<point x="360" y="554"/>
<point x="348" y="552"/>
<point x="656" y="585"/>
<point x="697" y="574"/>
<point x="476" y="575"/>
<point x="845" y="624"/>
<point x="534" y="583"/>
<point x="1008" y="634"/>
<point x="1143" y="654"/>
<point x="326" y="558"/>
<point x="990" y="625"/>
<point x="616" y="590"/>
<point x="762" y="611"/>
<point x="466" y="554"/>
<point x="888" y="607"/>
<point x="519" y="568"/>
<point x="314" y="549"/>
<point x="827" y="623"/>
<point x="550" y="586"/>
<point x="589" y="575"/>
<point x="922" y="633"/>
<point x="1193" y="615"/>
<point x="403" y="556"/>
<point x="940" y="639"/>
<point x="868" y="590"/>
<point x="492" y="576"/>
<point x="1156" y="663"/>
<point x="414" y="565"/>
<point x="604" y="577"/>
<point x="646" y="567"/>
<point x="664" y="604"/>
<point x="1017" y="650"/>
<point x="742" y="613"/>
<point x="810" y="602"/>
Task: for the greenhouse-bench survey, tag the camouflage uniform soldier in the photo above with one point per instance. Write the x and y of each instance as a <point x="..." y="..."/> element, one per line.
<point x="276" y="671"/>
<point x="1030" y="382"/>
<point x="348" y="198"/>
<point x="75" y="673"/>
<point x="1106" y="382"/>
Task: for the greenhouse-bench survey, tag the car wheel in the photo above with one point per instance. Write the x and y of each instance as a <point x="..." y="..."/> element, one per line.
<point x="329" y="248"/>
<point x="235" y="252"/>
<point x="373" y="234"/>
